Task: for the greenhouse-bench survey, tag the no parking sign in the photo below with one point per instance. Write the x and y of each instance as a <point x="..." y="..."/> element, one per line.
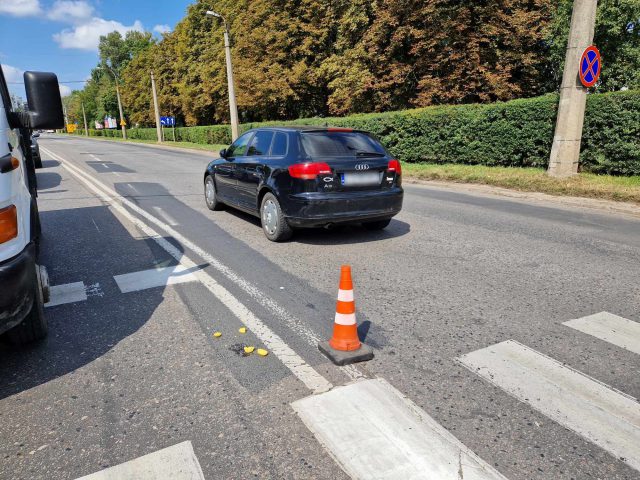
<point x="590" y="66"/>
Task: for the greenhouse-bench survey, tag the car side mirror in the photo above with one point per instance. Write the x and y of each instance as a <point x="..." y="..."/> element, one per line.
<point x="223" y="153"/>
<point x="43" y="100"/>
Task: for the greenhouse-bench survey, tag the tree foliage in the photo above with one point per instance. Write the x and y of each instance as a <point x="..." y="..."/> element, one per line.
<point x="306" y="58"/>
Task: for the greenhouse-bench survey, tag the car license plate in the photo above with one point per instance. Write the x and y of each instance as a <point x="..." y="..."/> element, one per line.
<point x="360" y="179"/>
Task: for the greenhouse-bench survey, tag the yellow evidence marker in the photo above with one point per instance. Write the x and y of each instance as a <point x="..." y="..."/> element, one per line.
<point x="249" y="349"/>
<point x="262" y="352"/>
<point x="217" y="334"/>
<point x="243" y="330"/>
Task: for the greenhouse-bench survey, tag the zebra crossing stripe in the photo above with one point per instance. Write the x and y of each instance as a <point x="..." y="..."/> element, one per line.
<point x="597" y="412"/>
<point x="177" y="462"/>
<point x="611" y="328"/>
<point x="375" y="432"/>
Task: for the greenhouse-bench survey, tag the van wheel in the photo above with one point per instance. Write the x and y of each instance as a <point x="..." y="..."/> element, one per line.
<point x="34" y="326"/>
<point x="274" y="225"/>
<point x="211" y="195"/>
<point x="378" y="225"/>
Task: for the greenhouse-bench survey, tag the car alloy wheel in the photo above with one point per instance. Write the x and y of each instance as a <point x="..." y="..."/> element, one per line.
<point x="270" y="217"/>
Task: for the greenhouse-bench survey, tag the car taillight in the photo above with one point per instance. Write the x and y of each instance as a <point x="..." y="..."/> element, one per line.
<point x="8" y="163"/>
<point x="8" y="223"/>
<point x="308" y="171"/>
<point x="394" y="166"/>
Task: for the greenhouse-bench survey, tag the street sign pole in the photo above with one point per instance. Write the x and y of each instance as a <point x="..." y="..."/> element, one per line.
<point x="565" y="151"/>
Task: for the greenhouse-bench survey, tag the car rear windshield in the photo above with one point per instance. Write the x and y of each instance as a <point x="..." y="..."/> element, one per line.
<point x="341" y="144"/>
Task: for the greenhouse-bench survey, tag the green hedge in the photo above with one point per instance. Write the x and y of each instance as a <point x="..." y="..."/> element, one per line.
<point x="518" y="133"/>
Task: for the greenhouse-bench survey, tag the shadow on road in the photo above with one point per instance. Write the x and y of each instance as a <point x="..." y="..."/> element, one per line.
<point x="47" y="180"/>
<point x="50" y="164"/>
<point x="339" y="235"/>
<point x="108" y="167"/>
<point x="89" y="245"/>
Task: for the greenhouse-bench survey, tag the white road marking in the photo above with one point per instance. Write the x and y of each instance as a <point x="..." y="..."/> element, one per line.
<point x="178" y="462"/>
<point x="155" y="277"/>
<point x="67" y="293"/>
<point x="166" y="217"/>
<point x="597" y="412"/>
<point x="263" y="299"/>
<point x="307" y="374"/>
<point x="610" y="328"/>
<point x="375" y="432"/>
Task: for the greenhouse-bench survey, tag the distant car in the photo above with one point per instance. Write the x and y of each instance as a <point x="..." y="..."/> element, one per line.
<point x="35" y="150"/>
<point x="306" y="177"/>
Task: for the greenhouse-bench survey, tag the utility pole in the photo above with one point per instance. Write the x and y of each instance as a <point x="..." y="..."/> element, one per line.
<point x="115" y="79"/>
<point x="66" y="120"/>
<point x="565" y="151"/>
<point x="157" y="110"/>
<point x="84" y="116"/>
<point x="233" y="108"/>
<point x="122" y="122"/>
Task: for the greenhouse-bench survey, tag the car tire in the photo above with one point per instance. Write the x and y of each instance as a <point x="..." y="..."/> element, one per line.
<point x="377" y="225"/>
<point x="37" y="160"/>
<point x="211" y="194"/>
<point x="274" y="224"/>
<point x="34" y="326"/>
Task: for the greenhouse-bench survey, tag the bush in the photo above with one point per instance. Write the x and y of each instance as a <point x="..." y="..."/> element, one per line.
<point x="518" y="133"/>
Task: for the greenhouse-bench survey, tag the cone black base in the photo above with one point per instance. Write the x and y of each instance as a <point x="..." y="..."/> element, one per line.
<point x="340" y="358"/>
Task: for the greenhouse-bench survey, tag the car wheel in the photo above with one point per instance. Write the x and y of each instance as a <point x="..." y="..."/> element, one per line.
<point x="274" y="225"/>
<point x="34" y="326"/>
<point x="377" y="225"/>
<point x="211" y="195"/>
<point x="37" y="160"/>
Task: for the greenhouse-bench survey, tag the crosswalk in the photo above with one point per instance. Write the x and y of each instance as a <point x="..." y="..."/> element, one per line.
<point x="597" y="412"/>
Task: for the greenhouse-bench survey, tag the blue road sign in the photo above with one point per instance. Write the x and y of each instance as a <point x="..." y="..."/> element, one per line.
<point x="168" y="121"/>
<point x="590" y="66"/>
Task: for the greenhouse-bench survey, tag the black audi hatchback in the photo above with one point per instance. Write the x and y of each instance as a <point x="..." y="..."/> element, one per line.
<point x="294" y="177"/>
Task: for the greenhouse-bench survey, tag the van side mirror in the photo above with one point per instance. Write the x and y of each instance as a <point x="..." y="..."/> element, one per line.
<point x="43" y="100"/>
<point x="223" y="153"/>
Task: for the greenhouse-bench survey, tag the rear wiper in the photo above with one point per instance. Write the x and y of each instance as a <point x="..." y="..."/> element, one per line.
<point x="369" y="154"/>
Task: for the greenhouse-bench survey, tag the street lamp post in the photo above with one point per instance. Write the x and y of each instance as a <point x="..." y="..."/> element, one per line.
<point x="122" y="122"/>
<point x="233" y="109"/>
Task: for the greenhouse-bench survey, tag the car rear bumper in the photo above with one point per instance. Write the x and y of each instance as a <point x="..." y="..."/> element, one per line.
<point x="17" y="280"/>
<point x="317" y="209"/>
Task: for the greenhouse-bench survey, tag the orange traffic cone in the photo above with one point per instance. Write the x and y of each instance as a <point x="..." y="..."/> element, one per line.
<point x="345" y="346"/>
<point x="345" y="330"/>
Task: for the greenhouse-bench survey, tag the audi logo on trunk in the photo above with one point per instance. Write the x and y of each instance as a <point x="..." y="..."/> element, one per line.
<point x="362" y="166"/>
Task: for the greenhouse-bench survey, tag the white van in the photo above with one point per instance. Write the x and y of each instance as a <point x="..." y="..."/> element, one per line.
<point x="24" y="284"/>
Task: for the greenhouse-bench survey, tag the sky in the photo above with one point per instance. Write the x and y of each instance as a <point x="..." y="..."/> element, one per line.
<point x="61" y="36"/>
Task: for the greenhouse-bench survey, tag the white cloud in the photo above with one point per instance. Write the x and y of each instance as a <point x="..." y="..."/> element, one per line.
<point x="20" y="8"/>
<point x="162" y="28"/>
<point x="12" y="74"/>
<point x="70" y="11"/>
<point x="86" y="36"/>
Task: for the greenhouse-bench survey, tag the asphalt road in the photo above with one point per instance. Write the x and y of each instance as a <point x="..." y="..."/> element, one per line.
<point x="126" y="374"/>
